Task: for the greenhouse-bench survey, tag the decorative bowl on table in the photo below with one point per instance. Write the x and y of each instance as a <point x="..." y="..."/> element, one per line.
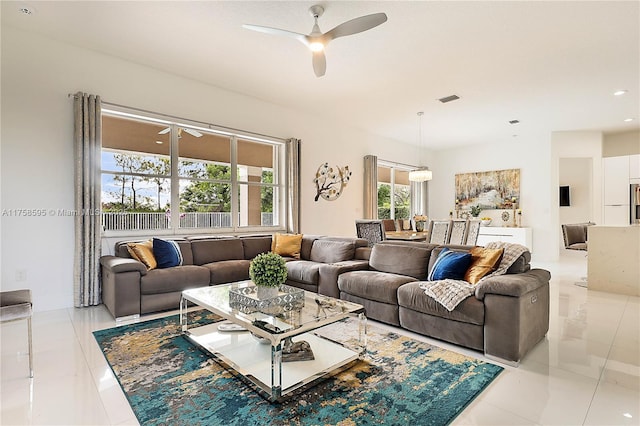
<point x="485" y="221"/>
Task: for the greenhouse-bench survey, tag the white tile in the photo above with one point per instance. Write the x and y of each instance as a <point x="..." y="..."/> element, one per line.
<point x="623" y="367"/>
<point x="614" y="405"/>
<point x="543" y="394"/>
<point x="575" y="355"/>
<point x="483" y="413"/>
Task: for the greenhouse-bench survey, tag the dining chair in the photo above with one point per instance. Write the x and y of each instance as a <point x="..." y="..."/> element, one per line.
<point x="370" y="230"/>
<point x="458" y="232"/>
<point x="473" y="230"/>
<point x="439" y="231"/>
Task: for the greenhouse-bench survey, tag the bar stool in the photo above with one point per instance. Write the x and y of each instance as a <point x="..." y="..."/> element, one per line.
<point x="16" y="305"/>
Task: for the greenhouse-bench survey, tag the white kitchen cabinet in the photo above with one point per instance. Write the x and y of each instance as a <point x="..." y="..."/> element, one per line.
<point x="634" y="166"/>
<point x="521" y="236"/>
<point x="616" y="215"/>
<point x="616" y="180"/>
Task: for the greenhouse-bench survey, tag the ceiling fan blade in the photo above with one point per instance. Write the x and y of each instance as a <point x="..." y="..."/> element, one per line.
<point x="277" y="31"/>
<point x="319" y="63"/>
<point x="192" y="132"/>
<point x="356" y="25"/>
<point x="164" y="131"/>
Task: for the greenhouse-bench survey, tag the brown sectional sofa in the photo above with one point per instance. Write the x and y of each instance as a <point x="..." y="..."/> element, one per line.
<point x="508" y="315"/>
<point x="128" y="288"/>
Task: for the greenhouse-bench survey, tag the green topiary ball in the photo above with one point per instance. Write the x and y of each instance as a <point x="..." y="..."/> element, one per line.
<point x="268" y="270"/>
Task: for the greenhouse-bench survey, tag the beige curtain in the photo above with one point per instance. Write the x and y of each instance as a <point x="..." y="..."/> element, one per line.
<point x="87" y="139"/>
<point x="370" y="187"/>
<point x="293" y="185"/>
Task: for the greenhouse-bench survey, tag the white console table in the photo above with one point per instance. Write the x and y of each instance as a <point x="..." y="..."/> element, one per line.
<point x="521" y="236"/>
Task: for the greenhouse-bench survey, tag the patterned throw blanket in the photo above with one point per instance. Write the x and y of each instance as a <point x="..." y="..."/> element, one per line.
<point x="449" y="293"/>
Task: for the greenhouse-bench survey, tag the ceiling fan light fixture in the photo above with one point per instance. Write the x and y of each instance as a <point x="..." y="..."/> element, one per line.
<point x="316" y="46"/>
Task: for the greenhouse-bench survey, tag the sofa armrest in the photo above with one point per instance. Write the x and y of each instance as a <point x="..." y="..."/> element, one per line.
<point x="121" y="285"/>
<point x="120" y="264"/>
<point x="329" y="272"/>
<point x="514" y="285"/>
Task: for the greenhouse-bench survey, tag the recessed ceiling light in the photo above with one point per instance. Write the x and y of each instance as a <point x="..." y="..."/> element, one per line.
<point x="619" y="92"/>
<point x="27" y="10"/>
<point x="159" y="142"/>
<point x="514" y="121"/>
<point x="628" y="119"/>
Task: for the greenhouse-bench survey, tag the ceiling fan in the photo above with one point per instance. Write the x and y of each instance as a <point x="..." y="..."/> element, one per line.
<point x="192" y="132"/>
<point x="316" y="41"/>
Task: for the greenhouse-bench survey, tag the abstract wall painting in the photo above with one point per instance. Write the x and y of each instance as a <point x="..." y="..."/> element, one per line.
<point x="497" y="189"/>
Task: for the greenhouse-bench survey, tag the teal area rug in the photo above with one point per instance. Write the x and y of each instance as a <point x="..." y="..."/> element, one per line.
<point x="401" y="382"/>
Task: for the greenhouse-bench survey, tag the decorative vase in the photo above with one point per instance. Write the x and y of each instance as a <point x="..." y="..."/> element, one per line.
<point x="419" y="226"/>
<point x="266" y="292"/>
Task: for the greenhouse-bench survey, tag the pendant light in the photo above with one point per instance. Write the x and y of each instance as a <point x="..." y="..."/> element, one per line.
<point x="421" y="174"/>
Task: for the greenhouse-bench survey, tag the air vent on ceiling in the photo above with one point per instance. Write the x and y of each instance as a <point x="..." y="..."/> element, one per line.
<point x="514" y="121"/>
<point x="449" y="98"/>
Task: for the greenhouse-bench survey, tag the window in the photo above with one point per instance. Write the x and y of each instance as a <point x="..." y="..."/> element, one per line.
<point x="217" y="179"/>
<point x="394" y="192"/>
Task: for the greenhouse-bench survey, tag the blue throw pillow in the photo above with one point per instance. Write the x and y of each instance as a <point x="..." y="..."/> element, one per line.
<point x="450" y="264"/>
<point x="167" y="253"/>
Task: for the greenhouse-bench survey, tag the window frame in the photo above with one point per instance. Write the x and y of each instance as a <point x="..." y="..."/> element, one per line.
<point x="278" y="185"/>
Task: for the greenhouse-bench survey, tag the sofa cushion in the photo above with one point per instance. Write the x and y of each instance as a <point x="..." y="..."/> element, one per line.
<point x="483" y="261"/>
<point x="253" y="246"/>
<point x="177" y="278"/>
<point x="143" y="252"/>
<point x="373" y="285"/>
<point x="228" y="271"/>
<point x="307" y="244"/>
<point x="303" y="271"/>
<point x="399" y="259"/>
<point x="287" y="245"/>
<point x="470" y="310"/>
<point x="215" y="250"/>
<point x="167" y="253"/>
<point x="450" y="265"/>
<point x="327" y="251"/>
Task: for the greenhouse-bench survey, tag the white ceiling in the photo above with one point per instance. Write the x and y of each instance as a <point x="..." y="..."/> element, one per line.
<point x="552" y="65"/>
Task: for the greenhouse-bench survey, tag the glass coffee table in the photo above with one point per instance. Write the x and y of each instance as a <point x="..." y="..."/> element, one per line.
<point x="271" y="342"/>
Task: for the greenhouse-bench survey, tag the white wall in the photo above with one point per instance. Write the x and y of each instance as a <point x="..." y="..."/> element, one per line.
<point x="531" y="158"/>
<point x="37" y="149"/>
<point x="576" y="173"/>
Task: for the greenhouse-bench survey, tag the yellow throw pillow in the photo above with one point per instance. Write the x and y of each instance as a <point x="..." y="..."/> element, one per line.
<point x="143" y="252"/>
<point x="287" y="245"/>
<point x="483" y="262"/>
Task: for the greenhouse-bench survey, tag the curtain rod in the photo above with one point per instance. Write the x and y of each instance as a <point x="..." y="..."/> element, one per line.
<point x="175" y="118"/>
<point x="394" y="163"/>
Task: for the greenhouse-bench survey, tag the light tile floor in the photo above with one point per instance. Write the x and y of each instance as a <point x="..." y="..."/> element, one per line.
<point x="587" y="370"/>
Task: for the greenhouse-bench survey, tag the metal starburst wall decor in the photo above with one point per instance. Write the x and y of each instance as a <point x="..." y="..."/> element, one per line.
<point x="330" y="181"/>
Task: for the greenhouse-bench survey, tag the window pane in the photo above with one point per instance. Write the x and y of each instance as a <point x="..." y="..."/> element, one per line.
<point x="136" y="186"/>
<point x="256" y="154"/>
<point x="204" y="155"/>
<point x="384" y="201"/>
<point x="134" y="136"/>
<point x="257" y="203"/>
<point x="204" y="204"/>
<point x="402" y="200"/>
